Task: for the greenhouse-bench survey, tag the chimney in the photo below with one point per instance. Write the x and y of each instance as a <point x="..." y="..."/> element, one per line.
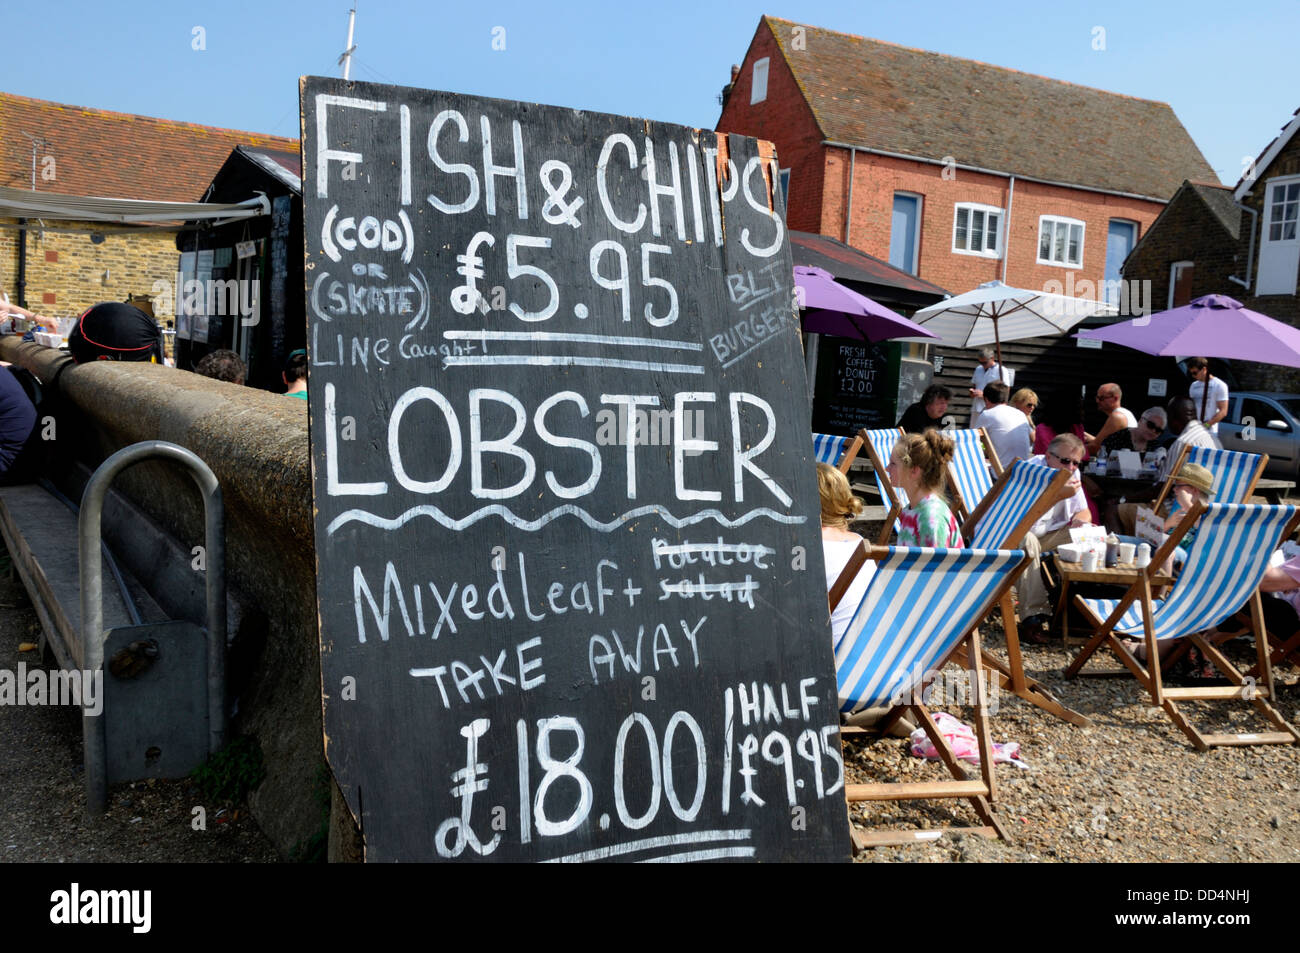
<point x="726" y="90"/>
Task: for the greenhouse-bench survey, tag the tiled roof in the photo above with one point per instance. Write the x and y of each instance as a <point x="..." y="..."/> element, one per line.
<point x="902" y="100"/>
<point x="1221" y="203"/>
<point x="845" y="261"/>
<point x="114" y="154"/>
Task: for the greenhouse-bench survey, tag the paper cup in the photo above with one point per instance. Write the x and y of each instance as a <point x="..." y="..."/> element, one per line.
<point x="1126" y="553"/>
<point x="1088" y="561"/>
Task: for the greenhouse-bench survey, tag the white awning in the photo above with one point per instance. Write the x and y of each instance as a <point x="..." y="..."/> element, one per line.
<point x="51" y="206"/>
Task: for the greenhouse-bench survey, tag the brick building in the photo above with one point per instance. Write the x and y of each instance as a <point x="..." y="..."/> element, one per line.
<point x="1205" y="215"/>
<point x="954" y="170"/>
<point x="73" y="150"/>
<point x="1242" y="242"/>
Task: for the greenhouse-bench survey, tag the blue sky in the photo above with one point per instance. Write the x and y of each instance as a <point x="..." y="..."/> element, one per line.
<point x="1232" y="82"/>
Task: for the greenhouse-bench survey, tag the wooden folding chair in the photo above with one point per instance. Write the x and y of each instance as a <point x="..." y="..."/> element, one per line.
<point x="968" y="472"/>
<point x="879" y="444"/>
<point x="1018" y="498"/>
<point x="920" y="607"/>
<point x="1235" y="473"/>
<point x="1223" y="570"/>
<point x="839" y="452"/>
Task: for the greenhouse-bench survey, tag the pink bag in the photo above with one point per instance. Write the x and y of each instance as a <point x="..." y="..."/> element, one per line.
<point x="961" y="739"/>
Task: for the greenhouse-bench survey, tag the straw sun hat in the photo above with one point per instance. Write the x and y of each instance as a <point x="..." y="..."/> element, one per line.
<point x="1195" y="475"/>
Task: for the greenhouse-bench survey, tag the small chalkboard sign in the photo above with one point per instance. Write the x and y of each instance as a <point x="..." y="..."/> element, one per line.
<point x="857" y="386"/>
<point x="572" y="598"/>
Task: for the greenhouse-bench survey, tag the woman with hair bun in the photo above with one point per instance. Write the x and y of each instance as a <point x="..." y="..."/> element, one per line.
<point x="918" y="465"/>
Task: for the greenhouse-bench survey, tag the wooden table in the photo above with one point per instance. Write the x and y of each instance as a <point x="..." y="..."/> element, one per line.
<point x="1111" y="488"/>
<point x="1125" y="574"/>
<point x="1112" y="484"/>
<point x="1274" y="490"/>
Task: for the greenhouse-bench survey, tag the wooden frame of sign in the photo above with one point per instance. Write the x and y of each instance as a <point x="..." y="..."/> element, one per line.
<point x="572" y="598"/>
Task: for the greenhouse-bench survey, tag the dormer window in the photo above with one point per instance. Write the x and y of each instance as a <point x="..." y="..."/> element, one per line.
<point x="758" y="88"/>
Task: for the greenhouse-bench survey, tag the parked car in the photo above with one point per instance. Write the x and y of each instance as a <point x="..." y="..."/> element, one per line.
<point x="1265" y="422"/>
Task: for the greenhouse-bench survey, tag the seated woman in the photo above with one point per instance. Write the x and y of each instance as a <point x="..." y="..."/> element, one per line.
<point x="1061" y="414"/>
<point x="1141" y="438"/>
<point x="1025" y="401"/>
<point x="918" y="466"/>
<point x="839" y="507"/>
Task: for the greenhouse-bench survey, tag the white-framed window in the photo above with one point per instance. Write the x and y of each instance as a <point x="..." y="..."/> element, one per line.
<point x="977" y="230"/>
<point x="1279" y="252"/>
<point x="1283" y="210"/>
<point x="1060" y="241"/>
<point x="758" y="88"/>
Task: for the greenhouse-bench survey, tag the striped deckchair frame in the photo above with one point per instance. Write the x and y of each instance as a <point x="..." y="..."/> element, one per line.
<point x="828" y="448"/>
<point x="919" y="604"/>
<point x="969" y="470"/>
<point x="880" y="444"/>
<point x="1019" y="492"/>
<point x="1228" y="559"/>
<point x="1235" y="473"/>
<point x="838" y="452"/>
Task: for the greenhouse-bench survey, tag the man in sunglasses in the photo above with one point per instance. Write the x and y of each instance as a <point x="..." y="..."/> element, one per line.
<point x="1117" y="417"/>
<point x="1051" y="530"/>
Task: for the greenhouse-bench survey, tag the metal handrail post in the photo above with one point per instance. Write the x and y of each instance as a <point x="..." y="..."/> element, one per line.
<point x="92" y="609"/>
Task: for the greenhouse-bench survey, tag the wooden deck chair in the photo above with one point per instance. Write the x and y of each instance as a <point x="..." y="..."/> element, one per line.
<point x="879" y="444"/>
<point x="920" y="607"/>
<point x="839" y="452"/>
<point x="968" y="472"/>
<point x="1224" y="568"/>
<point x="1016" y="501"/>
<point x="1235" y="473"/>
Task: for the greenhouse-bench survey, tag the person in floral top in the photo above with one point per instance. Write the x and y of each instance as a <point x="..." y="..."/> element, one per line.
<point x="917" y="466"/>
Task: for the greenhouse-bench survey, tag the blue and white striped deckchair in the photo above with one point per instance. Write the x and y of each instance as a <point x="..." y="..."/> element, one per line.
<point x="1235" y="473"/>
<point x="838" y="452"/>
<point x="919" y="607"/>
<point x="1022" y="494"/>
<point x="968" y="473"/>
<point x="1228" y="559"/>
<point x="879" y="445"/>
<point x="1002" y="517"/>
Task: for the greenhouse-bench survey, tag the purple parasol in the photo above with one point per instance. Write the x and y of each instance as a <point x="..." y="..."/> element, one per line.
<point x="831" y="308"/>
<point x="1212" y="326"/>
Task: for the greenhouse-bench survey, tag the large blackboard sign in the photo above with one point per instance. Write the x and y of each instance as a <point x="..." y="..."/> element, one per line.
<point x="572" y="599"/>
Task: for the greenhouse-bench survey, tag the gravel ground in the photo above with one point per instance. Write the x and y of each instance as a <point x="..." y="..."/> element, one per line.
<point x="1130" y="788"/>
<point x="43" y="798"/>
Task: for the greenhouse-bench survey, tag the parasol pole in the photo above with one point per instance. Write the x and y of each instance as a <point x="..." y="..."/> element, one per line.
<point x="997" y="344"/>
